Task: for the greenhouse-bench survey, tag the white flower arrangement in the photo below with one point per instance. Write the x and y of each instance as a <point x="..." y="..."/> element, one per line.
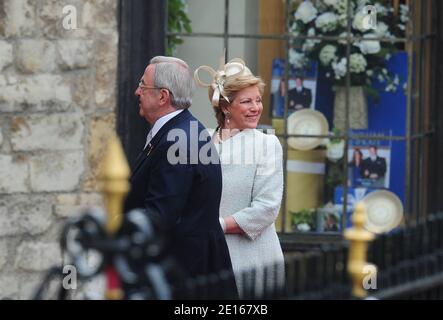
<point x="306" y="12"/>
<point x="335" y="150"/>
<point x="368" y="55"/>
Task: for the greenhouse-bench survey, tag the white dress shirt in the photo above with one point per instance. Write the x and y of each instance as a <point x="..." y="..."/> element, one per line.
<point x="159" y="124"/>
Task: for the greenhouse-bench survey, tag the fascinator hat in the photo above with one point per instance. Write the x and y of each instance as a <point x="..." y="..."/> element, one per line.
<point x="234" y="69"/>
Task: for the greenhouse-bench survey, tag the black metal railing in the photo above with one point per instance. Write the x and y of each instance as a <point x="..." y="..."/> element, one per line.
<point x="410" y="261"/>
<point x="318" y="274"/>
<point x="409" y="266"/>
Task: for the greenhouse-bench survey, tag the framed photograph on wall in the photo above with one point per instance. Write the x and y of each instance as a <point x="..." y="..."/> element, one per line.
<point x="301" y="86"/>
<point x="369" y="161"/>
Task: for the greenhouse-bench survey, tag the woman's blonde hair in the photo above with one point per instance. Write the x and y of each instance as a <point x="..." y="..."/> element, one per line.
<point x="231" y="87"/>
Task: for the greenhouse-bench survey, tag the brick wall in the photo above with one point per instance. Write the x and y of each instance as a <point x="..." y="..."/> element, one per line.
<point x="57" y="110"/>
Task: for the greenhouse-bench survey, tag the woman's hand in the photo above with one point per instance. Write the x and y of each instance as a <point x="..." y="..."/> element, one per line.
<point x="231" y="226"/>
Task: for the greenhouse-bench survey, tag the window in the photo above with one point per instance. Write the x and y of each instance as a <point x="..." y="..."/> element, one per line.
<point x="323" y="180"/>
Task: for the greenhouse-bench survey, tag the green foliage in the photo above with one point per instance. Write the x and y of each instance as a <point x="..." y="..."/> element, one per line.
<point x="179" y="22"/>
<point x="334" y="177"/>
<point x="371" y="92"/>
<point x="305" y="216"/>
<point x="335" y="132"/>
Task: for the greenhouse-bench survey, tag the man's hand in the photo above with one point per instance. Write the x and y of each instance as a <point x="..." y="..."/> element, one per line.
<point x="373" y="176"/>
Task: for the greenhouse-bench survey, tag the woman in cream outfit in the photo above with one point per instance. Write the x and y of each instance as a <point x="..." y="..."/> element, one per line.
<point x="252" y="172"/>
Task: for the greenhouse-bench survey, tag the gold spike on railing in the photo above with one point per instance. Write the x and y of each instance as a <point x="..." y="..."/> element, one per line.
<point x="114" y="183"/>
<point x="114" y="186"/>
<point x="359" y="240"/>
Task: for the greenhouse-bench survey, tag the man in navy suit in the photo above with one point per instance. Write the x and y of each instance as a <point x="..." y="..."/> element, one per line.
<point x="374" y="168"/>
<point x="299" y="97"/>
<point x="183" y="196"/>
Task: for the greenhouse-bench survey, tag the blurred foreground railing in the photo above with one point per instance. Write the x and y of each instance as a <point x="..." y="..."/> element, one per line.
<point x="410" y="261"/>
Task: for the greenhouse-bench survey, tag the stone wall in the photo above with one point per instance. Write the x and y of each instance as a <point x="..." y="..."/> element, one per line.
<point x="57" y="111"/>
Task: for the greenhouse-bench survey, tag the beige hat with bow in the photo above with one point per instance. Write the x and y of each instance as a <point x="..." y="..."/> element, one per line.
<point x="233" y="69"/>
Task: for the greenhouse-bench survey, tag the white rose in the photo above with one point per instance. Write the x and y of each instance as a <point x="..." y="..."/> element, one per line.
<point x="343" y="20"/>
<point x="294" y="30"/>
<point x="342" y="6"/>
<point x="357" y="63"/>
<point x="309" y="45"/>
<point x="343" y="35"/>
<point x="382" y="29"/>
<point x="381" y="9"/>
<point x="390" y="88"/>
<point x="404" y="13"/>
<point x="369" y="46"/>
<point x="327" y="21"/>
<point x="339" y="68"/>
<point x="327" y="54"/>
<point x="306" y="12"/>
<point x="332" y="3"/>
<point x="361" y="3"/>
<point x="311" y="32"/>
<point x="297" y="59"/>
<point x="357" y="23"/>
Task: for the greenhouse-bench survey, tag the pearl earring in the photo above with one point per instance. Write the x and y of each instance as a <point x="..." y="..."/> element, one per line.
<point x="227" y="116"/>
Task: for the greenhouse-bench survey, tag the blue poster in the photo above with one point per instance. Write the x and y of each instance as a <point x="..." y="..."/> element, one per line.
<point x="378" y="164"/>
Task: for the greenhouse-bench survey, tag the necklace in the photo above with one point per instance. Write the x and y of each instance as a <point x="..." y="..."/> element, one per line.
<point x="220" y="135"/>
<point x="232" y="132"/>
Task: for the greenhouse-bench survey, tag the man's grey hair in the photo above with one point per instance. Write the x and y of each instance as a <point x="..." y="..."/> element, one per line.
<point x="173" y="74"/>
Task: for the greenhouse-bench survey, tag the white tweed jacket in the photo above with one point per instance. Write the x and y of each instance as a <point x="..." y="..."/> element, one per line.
<point x="252" y="170"/>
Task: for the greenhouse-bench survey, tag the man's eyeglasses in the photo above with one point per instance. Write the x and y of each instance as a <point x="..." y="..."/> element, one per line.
<point x="141" y="85"/>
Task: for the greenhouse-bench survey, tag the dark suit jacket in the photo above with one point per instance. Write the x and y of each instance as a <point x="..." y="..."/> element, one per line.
<point x="304" y="98"/>
<point x="378" y="166"/>
<point x="184" y="197"/>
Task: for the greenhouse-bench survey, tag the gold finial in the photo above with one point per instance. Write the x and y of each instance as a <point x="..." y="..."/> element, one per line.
<point x="114" y="183"/>
<point x="115" y="186"/>
<point x="114" y="294"/>
<point x="359" y="239"/>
